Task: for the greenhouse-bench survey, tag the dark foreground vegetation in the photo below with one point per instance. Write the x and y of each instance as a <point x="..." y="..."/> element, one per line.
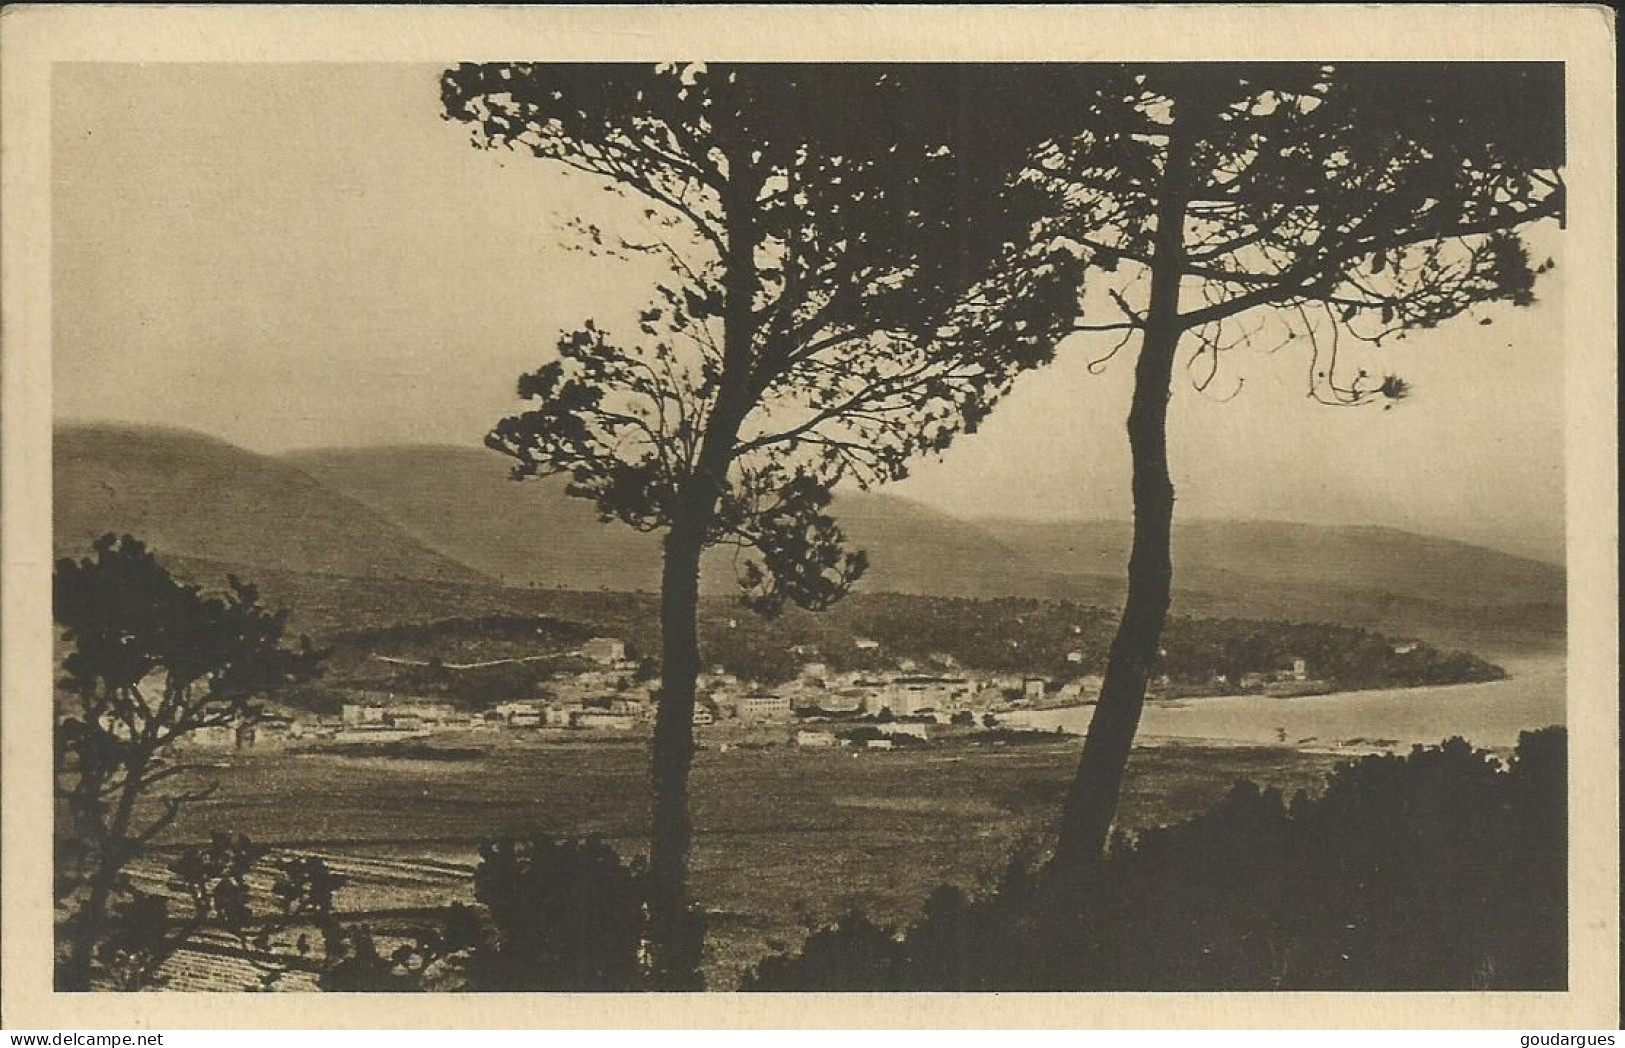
<point x="1440" y="870"/>
<point x="1444" y="869"/>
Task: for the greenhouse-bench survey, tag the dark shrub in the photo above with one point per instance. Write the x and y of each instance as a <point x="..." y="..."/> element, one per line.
<point x="427" y="960"/>
<point x="1439" y="870"/>
<point x="852" y="956"/>
<point x="555" y="915"/>
<point x="568" y="916"/>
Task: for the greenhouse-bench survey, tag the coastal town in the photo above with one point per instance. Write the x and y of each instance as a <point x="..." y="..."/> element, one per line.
<point x="820" y="707"/>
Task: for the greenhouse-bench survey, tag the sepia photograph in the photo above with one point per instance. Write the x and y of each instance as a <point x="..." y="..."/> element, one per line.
<point x="806" y="526"/>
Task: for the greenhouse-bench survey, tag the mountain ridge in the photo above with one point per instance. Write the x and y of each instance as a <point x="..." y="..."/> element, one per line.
<point x="615" y="556"/>
<point x="169" y="487"/>
<point x="993" y="523"/>
<point x="451" y="513"/>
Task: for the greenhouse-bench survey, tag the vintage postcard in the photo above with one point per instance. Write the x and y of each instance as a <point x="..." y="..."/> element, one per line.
<point x="841" y="516"/>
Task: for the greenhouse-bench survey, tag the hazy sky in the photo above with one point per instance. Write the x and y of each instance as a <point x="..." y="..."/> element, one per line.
<point x="294" y="256"/>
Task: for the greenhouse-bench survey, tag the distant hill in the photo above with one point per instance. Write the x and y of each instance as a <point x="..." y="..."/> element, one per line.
<point x="321" y="605"/>
<point x="1225" y="556"/>
<point x="916" y="549"/>
<point x="450" y="515"/>
<point x="190" y="495"/>
<point x="1450" y="592"/>
<point x="461" y="502"/>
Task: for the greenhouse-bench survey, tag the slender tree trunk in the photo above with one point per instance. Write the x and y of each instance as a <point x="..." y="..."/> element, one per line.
<point x="1091" y="802"/>
<point x="671" y="834"/>
<point x="673" y="754"/>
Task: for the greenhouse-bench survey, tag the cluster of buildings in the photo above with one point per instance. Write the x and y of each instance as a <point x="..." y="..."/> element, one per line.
<point x="884" y="738"/>
<point x="607" y="697"/>
<point x="610" y="697"/>
<point x="1294" y="670"/>
<point x="907" y="693"/>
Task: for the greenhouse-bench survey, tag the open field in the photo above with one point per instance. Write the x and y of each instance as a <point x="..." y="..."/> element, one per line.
<point x="781" y="834"/>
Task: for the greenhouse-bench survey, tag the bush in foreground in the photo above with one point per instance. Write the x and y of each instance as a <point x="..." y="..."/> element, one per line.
<point x="1444" y="869"/>
<point x="554" y="915"/>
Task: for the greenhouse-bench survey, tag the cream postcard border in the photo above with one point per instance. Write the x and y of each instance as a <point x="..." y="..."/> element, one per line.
<point x="34" y="37"/>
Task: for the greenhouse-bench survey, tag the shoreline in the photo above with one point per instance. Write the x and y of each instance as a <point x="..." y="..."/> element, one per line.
<point x="1489" y="714"/>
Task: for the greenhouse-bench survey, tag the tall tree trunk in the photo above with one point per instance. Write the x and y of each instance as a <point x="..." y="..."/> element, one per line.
<point x="673" y="753"/>
<point x="1091" y="802"/>
<point x="674" y="950"/>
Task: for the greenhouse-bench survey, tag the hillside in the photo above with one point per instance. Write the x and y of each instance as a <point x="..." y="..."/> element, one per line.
<point x="1219" y="556"/>
<point x="1447" y="591"/>
<point x="460" y="502"/>
<point x="916" y="549"/>
<point x="451" y="516"/>
<point x="321" y="605"/>
<point x="191" y="495"/>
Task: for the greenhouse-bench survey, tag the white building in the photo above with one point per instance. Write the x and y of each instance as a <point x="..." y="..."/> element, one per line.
<point x="375" y="734"/>
<point x="604" y="720"/>
<point x="816" y="739"/>
<point x="987" y="696"/>
<point x="509" y="710"/>
<point x="605" y="650"/>
<point x="762" y="706"/>
<point x="430" y="713"/>
<point x="561" y="714"/>
<point x="847" y="700"/>
<point x="907" y="696"/>
<point x="1084" y="689"/>
<point x="718" y="679"/>
<point x="356" y="713"/>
